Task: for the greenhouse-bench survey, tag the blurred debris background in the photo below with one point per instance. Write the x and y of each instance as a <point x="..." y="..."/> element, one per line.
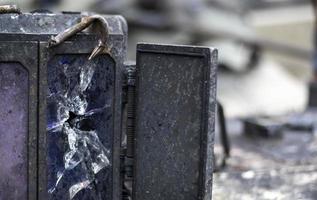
<point x="267" y="83"/>
<point x="265" y="46"/>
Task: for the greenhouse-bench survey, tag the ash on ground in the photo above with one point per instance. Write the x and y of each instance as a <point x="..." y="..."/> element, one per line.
<point x="278" y="168"/>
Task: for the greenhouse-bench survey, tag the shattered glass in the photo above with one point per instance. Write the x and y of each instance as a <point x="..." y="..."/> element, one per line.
<point x="80" y="127"/>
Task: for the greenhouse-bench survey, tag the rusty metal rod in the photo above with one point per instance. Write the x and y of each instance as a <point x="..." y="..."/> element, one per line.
<point x="85" y="22"/>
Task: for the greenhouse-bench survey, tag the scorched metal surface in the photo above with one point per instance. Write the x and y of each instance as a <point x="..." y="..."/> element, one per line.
<point x="176" y="87"/>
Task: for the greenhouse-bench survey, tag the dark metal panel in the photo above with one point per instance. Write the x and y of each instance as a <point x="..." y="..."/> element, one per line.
<point x="18" y="63"/>
<point x="174" y="122"/>
<point x="13" y="130"/>
<point x="66" y="66"/>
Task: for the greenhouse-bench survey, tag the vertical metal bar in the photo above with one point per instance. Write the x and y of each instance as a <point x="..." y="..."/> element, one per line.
<point x="224" y="139"/>
<point x="130" y="112"/>
<point x="223" y="131"/>
<point x="130" y="131"/>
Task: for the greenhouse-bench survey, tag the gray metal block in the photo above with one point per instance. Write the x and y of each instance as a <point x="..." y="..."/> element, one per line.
<point x="175" y="117"/>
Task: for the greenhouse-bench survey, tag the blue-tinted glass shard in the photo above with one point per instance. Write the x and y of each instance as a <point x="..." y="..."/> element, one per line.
<point x="80" y="127"/>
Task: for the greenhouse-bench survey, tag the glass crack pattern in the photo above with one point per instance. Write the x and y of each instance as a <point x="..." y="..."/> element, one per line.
<point x="80" y="127"/>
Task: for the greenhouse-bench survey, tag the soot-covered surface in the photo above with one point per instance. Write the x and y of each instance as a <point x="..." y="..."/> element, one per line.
<point x="176" y="88"/>
<point x="268" y="168"/>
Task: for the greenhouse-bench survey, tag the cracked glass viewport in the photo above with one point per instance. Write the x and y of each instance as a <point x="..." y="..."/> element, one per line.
<point x="13" y="130"/>
<point x="80" y="127"/>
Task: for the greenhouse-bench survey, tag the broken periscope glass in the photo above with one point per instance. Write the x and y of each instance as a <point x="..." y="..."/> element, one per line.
<point x="80" y="127"/>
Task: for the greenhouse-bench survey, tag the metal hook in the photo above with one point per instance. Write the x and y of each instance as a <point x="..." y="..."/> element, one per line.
<point x="85" y="22"/>
<point x="9" y="9"/>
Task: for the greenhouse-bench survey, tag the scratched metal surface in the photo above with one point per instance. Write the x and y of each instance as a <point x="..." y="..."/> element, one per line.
<point x="173" y="133"/>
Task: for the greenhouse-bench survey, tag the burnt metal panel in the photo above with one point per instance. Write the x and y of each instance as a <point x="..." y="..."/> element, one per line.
<point x="65" y="70"/>
<point x="39" y="27"/>
<point x="175" y="117"/>
<point x="18" y="119"/>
